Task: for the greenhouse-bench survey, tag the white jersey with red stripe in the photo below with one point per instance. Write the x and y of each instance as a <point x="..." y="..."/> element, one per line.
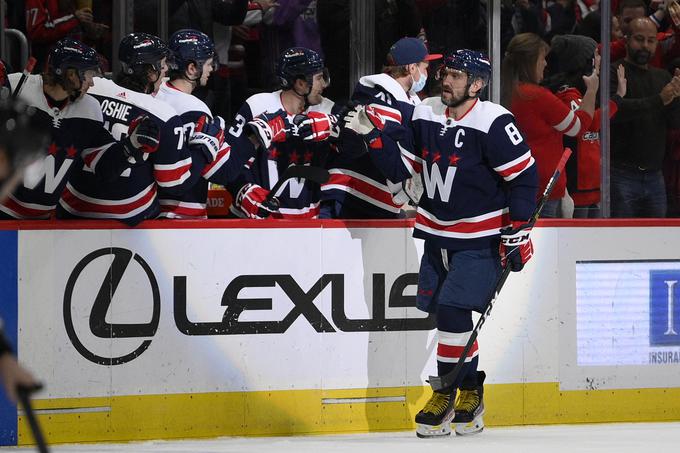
<point x="298" y="198"/>
<point x="132" y="196"/>
<point x="356" y="184"/>
<point x="77" y="136"/>
<point x="224" y="168"/>
<point x="477" y="171"/>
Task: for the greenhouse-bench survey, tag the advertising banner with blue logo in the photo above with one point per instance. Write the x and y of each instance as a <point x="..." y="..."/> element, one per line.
<point x="627" y="312"/>
<point x="664" y="310"/>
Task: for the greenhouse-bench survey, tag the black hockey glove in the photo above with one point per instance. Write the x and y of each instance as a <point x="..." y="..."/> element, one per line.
<point x="143" y="138"/>
<point x="516" y="247"/>
<point x="270" y="128"/>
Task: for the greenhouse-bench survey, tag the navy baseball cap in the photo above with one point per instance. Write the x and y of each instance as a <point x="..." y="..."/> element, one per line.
<point x="409" y="51"/>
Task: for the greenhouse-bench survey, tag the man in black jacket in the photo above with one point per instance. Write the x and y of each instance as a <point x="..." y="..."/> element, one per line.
<point x="195" y="14"/>
<point x="638" y="132"/>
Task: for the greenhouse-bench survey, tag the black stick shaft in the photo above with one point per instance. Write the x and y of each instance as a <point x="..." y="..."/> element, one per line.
<point x="27" y="71"/>
<point x="25" y="400"/>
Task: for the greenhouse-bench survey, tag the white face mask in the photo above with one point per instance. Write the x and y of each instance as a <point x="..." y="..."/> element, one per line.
<point x="419" y="84"/>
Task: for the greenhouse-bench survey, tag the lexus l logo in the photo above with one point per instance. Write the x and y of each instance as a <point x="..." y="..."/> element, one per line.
<point x="123" y="260"/>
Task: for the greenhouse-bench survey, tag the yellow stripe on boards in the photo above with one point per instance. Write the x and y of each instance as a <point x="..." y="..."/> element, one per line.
<point x="290" y="412"/>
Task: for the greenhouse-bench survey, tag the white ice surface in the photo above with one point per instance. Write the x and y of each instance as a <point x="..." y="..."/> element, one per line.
<point x="615" y="438"/>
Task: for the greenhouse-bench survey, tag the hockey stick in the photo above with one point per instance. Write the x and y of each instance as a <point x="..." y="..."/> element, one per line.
<point x="316" y="174"/>
<point x="446" y="381"/>
<point x="30" y="64"/>
<point x="25" y="399"/>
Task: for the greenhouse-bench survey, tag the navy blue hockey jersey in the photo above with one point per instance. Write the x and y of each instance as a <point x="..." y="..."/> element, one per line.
<point x="132" y="197"/>
<point x="223" y="169"/>
<point x="298" y="197"/>
<point x="478" y="174"/>
<point x="356" y="182"/>
<point x="77" y="138"/>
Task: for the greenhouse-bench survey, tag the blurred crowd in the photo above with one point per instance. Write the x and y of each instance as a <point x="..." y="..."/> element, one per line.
<point x="549" y="77"/>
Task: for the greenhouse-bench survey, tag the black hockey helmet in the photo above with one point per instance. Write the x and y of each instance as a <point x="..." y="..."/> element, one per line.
<point x="138" y="49"/>
<point x="474" y="63"/>
<point x="300" y="63"/>
<point x="190" y="46"/>
<point x="70" y="53"/>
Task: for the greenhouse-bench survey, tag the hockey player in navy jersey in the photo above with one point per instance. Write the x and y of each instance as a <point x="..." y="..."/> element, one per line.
<point x="480" y="185"/>
<point x="298" y="140"/>
<point x="172" y="168"/>
<point x="193" y="60"/>
<point x="357" y="188"/>
<point x="78" y="137"/>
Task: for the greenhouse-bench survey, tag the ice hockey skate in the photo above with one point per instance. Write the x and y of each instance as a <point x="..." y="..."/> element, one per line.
<point x="469" y="408"/>
<point x="434" y="420"/>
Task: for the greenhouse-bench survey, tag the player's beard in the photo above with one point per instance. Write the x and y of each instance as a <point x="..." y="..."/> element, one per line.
<point x="453" y="100"/>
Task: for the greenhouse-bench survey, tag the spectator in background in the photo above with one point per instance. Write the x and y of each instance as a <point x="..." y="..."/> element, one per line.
<point x="453" y="24"/>
<point x="394" y="19"/>
<point x="671" y="165"/>
<point x="574" y="57"/>
<point x="561" y="18"/>
<point x="333" y="19"/>
<point x="638" y="130"/>
<point x="47" y="21"/>
<point x="230" y="81"/>
<point x="201" y="14"/>
<point x="541" y="117"/>
<point x="630" y="10"/>
<point x="590" y="27"/>
<point x="296" y="24"/>
<point x="99" y="35"/>
<point x="529" y="17"/>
